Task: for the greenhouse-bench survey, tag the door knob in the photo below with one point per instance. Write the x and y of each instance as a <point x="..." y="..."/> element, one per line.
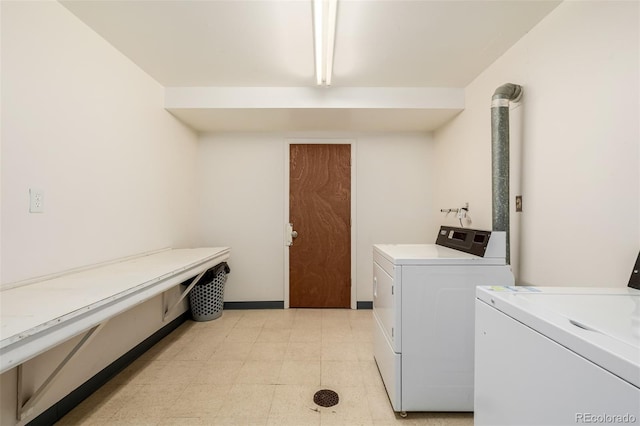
<point x="294" y="234"/>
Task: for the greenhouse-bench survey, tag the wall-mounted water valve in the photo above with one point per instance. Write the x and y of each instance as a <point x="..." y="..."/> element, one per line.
<point x="461" y="213"/>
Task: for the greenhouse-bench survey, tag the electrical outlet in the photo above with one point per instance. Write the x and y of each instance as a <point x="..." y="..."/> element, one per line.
<point x="36" y="200"/>
<point x="518" y="203"/>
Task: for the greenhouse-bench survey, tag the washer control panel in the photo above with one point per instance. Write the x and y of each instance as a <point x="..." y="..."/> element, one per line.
<point x="473" y="241"/>
<point x="634" y="281"/>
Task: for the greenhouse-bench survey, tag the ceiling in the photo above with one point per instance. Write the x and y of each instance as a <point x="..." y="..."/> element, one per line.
<point x="269" y="43"/>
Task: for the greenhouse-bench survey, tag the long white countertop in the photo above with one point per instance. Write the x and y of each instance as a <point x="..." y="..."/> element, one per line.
<point x="43" y="314"/>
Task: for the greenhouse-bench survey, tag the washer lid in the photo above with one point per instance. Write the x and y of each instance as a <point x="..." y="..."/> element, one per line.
<point x="602" y="325"/>
<point x="431" y="254"/>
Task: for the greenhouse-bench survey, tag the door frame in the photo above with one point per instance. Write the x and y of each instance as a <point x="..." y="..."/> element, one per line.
<point x="287" y="237"/>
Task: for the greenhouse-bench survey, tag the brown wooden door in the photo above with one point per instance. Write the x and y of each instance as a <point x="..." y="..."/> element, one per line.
<point x="320" y="211"/>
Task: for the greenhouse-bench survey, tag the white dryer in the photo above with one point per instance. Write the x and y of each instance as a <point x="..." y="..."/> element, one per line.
<point x="557" y="356"/>
<point x="423" y="306"/>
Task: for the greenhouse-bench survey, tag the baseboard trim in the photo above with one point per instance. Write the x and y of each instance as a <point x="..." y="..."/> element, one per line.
<point x="275" y="304"/>
<point x="69" y="402"/>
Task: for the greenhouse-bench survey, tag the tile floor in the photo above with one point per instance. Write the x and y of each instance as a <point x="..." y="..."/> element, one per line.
<point x="255" y="367"/>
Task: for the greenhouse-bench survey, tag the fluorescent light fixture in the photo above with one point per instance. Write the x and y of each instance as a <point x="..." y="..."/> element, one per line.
<point x="324" y="35"/>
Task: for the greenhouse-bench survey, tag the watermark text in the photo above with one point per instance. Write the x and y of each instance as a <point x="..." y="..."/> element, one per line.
<point x="590" y="418"/>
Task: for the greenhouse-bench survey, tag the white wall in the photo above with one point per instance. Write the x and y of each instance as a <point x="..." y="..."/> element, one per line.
<point x="242" y="203"/>
<point x="576" y="139"/>
<point x="80" y="121"/>
<point x="395" y="204"/>
<point x="241" y="206"/>
<point x="83" y="123"/>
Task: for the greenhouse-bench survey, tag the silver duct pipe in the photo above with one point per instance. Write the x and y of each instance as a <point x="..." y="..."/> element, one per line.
<point x="500" y="156"/>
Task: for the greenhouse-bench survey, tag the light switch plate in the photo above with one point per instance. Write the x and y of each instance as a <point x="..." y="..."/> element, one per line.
<point x="36" y="200"/>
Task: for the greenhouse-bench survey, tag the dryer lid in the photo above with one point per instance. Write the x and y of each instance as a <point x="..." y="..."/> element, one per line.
<point x="431" y="254"/>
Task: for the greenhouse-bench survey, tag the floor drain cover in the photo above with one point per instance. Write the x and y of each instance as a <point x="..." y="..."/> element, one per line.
<point x="326" y="398"/>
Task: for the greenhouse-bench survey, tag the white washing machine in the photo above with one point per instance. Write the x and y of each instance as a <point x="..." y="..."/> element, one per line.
<point x="557" y="356"/>
<point x="423" y="306"/>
